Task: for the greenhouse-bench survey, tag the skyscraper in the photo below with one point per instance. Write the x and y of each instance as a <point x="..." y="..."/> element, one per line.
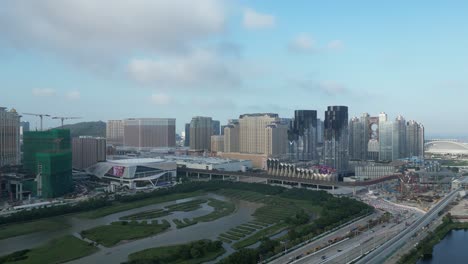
<point x="415" y="139"/>
<point x="216" y="127"/>
<point x="88" y="151"/>
<point x="115" y="132"/>
<point x="231" y="137"/>
<point x="276" y="135"/>
<point x="399" y="138"/>
<point x="385" y="138"/>
<point x="302" y="136"/>
<point x="359" y="137"/>
<point x="187" y="135"/>
<point x="149" y="132"/>
<point x="252" y="132"/>
<point x="319" y="131"/>
<point x="9" y="137"/>
<point x="201" y="129"/>
<point x="336" y="139"/>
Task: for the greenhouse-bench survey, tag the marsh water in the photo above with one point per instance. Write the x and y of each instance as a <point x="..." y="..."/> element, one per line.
<point x="119" y="252"/>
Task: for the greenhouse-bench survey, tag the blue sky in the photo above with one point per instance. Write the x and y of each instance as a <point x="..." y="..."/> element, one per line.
<point x="117" y="59"/>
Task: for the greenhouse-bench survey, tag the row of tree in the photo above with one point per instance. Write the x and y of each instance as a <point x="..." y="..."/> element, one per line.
<point x="182" y="253"/>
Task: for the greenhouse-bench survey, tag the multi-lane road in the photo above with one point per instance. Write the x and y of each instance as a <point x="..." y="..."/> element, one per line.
<point x="382" y="253"/>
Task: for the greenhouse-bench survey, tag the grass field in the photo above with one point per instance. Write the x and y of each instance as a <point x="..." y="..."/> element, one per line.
<point x="146" y="215"/>
<point x="120" y="207"/>
<point x="221" y="209"/>
<point x="152" y="214"/>
<point x="269" y="231"/>
<point x="60" y="250"/>
<point x="178" y="254"/>
<point x="184" y="223"/>
<point x="19" y="229"/>
<point x="109" y="235"/>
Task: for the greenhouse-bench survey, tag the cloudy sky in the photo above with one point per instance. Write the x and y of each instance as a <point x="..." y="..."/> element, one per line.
<point x="113" y="59"/>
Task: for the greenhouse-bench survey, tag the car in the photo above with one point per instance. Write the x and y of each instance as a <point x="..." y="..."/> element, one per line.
<point x="324" y="257"/>
<point x="339" y="250"/>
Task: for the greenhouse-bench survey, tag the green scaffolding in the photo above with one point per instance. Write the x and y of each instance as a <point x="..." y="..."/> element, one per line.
<point x="49" y="152"/>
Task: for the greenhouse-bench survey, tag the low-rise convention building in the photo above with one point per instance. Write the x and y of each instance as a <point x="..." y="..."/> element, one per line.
<point x="210" y="163"/>
<point x="136" y="173"/>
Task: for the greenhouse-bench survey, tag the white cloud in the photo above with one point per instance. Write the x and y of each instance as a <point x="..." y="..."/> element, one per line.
<point x="73" y="95"/>
<point x="335" y="45"/>
<point x="199" y="69"/>
<point x="255" y="20"/>
<point x="160" y="99"/>
<point x="97" y="31"/>
<point x="43" y="92"/>
<point x="303" y="43"/>
<point x="332" y="88"/>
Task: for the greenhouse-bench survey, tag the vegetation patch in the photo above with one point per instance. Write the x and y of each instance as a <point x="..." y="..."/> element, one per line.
<point x="192" y="253"/>
<point x="184" y="223"/>
<point x="60" y="250"/>
<point x="12" y="230"/>
<point x="221" y="209"/>
<point x="151" y="214"/>
<point x="109" y="235"/>
<point x="262" y="234"/>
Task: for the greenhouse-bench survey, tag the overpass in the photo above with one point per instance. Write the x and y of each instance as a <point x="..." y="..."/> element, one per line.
<point x="380" y="254"/>
<point x="215" y="174"/>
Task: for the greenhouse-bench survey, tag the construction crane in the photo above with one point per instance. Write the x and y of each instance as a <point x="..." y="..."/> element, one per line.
<point x="39" y="115"/>
<point x="62" y="118"/>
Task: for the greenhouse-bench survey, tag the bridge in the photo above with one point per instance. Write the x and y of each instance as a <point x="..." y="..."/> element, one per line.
<point x="265" y="177"/>
<point x="380" y="254"/>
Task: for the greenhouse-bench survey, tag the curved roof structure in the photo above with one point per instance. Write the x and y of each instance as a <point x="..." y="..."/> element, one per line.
<point x="132" y="168"/>
<point x="449" y="147"/>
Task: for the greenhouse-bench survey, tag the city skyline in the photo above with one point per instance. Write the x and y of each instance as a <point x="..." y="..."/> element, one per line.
<point x="240" y="57"/>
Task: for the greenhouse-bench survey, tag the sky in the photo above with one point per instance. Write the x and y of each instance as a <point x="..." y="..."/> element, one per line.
<point x="115" y="59"/>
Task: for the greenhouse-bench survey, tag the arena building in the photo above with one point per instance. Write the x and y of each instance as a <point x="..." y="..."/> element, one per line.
<point x="136" y="173"/>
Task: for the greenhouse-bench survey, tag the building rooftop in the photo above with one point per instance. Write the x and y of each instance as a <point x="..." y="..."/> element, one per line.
<point x="201" y="160"/>
<point x="136" y="161"/>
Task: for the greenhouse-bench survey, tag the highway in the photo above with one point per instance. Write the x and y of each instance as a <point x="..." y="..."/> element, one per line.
<point x="382" y="253"/>
<point x="324" y="240"/>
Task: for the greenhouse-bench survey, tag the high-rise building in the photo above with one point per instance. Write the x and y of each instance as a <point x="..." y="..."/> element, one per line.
<point x="24" y="127"/>
<point x="9" y="137"/>
<point x="359" y="137"/>
<point x="414" y="139"/>
<point x="201" y="129"/>
<point x="216" y="127"/>
<point x="47" y="154"/>
<point x="319" y="131"/>
<point x="252" y="132"/>
<point x="217" y="143"/>
<point x="399" y="138"/>
<point x="187" y="135"/>
<point x="88" y="151"/>
<point x="149" y="132"/>
<point x="115" y="132"/>
<point x="302" y="136"/>
<point x="222" y="129"/>
<point x="385" y="138"/>
<point x="276" y="138"/>
<point x="336" y="139"/>
<point x="231" y="137"/>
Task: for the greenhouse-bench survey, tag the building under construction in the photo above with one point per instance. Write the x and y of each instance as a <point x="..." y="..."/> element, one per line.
<point x="48" y="157"/>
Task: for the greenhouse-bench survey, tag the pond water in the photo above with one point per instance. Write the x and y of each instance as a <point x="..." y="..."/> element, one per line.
<point x="452" y="249"/>
<point x="119" y="253"/>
